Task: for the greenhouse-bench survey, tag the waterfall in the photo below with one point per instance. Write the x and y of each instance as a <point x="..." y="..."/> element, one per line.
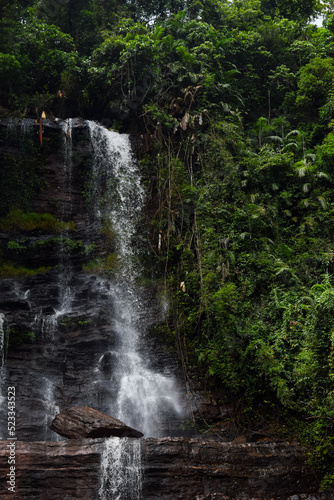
<point x="90" y="330"/>
<point x="144" y="397"/>
<point x="121" y="474"/>
<point x="66" y="271"/>
<point x="48" y="324"/>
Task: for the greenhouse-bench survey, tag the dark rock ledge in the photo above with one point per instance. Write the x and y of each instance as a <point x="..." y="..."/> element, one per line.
<point x="173" y="469"/>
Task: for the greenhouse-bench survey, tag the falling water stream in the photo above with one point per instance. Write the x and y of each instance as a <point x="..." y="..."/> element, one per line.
<point x="144" y="397"/>
<point x="48" y="324"/>
<point x="121" y="472"/>
<point x="2" y="339"/>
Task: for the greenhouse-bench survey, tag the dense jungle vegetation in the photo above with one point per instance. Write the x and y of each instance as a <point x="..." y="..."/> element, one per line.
<point x="233" y="104"/>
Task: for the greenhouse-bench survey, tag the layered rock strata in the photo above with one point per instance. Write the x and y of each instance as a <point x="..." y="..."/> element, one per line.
<point x="173" y="469"/>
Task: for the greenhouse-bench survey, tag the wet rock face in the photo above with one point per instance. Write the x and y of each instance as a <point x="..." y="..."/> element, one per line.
<point x="85" y="422"/>
<point x="57" y="470"/>
<point x="59" y="355"/>
<point x="60" y="364"/>
<point x="204" y="470"/>
<point x="63" y="360"/>
<point x="35" y="175"/>
<point x="173" y="469"/>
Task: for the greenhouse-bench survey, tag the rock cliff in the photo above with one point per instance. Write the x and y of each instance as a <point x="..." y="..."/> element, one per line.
<point x="173" y="469"/>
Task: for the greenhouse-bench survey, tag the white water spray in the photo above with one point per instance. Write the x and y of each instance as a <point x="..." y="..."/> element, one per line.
<point x="121" y="474"/>
<point x="66" y="272"/>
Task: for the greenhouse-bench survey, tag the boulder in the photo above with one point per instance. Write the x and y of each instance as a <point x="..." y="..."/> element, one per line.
<point x="85" y="422"/>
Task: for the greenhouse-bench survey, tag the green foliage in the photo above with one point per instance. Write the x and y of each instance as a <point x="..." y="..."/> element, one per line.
<point x="85" y="322"/>
<point x="20" y="177"/>
<point x="314" y="83"/>
<point x="246" y="231"/>
<point x="9" y="270"/>
<point x="108" y="234"/>
<point x="290" y="9"/>
<point x="74" y="323"/>
<point x="17" y="220"/>
<point x="14" y="245"/>
<point x="17" y="336"/>
<point x="34" y="56"/>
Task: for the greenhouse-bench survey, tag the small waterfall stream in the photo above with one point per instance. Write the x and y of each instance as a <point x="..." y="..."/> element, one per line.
<point x="65" y="271"/>
<point x="48" y="324"/>
<point x="2" y="340"/>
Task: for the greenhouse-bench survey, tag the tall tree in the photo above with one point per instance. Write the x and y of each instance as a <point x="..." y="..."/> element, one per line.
<point x="291" y="9"/>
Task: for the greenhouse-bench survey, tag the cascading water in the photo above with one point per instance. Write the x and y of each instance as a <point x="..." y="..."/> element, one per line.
<point x="65" y="291"/>
<point x="89" y="347"/>
<point x="2" y="339"/>
<point x="47" y="324"/>
<point x="121" y="474"/>
<point x="65" y="270"/>
<point x="144" y="396"/>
